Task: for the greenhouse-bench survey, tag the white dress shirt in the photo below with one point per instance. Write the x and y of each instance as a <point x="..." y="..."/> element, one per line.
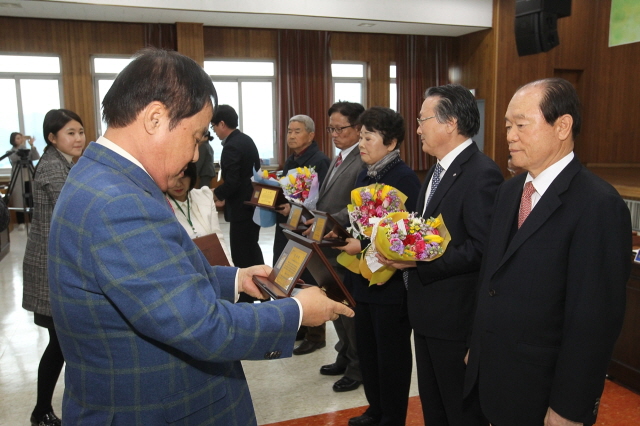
<point x="445" y="163"/>
<point x="542" y="182"/>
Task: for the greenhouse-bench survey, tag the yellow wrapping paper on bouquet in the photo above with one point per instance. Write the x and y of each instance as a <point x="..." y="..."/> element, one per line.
<point x="375" y="196"/>
<point x="382" y="244"/>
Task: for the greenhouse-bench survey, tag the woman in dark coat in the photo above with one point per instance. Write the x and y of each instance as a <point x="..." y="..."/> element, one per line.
<point x="383" y="333"/>
<point x="64" y="133"/>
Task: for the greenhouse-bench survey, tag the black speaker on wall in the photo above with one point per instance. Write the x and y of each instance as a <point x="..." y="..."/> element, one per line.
<point x="536" y="24"/>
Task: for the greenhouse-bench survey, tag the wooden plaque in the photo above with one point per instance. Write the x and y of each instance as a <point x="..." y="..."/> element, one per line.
<point x="266" y="196"/>
<point x="323" y="224"/>
<point x="286" y="271"/>
<point x="297" y="216"/>
<point x="212" y="249"/>
<point x="322" y="271"/>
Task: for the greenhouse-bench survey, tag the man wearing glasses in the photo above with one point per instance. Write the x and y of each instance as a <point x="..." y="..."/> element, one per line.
<point x="335" y="194"/>
<point x="441" y="294"/>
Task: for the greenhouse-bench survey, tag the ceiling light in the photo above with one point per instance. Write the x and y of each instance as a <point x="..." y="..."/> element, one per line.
<point x="366" y="25"/>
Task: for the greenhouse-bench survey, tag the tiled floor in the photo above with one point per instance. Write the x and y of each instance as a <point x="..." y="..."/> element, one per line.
<point x="286" y="392"/>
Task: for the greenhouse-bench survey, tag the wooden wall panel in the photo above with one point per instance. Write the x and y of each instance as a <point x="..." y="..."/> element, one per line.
<point x="605" y="78"/>
<point x="477" y="71"/>
<point x="240" y="43"/>
<point x="611" y="124"/>
<point x="190" y="40"/>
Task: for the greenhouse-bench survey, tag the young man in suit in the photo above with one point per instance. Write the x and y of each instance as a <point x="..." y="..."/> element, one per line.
<point x="335" y="194"/>
<point x="441" y="293"/>
<point x="552" y="289"/>
<point x="238" y="160"/>
<point x="148" y="328"/>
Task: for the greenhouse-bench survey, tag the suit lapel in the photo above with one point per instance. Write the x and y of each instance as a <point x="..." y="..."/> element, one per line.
<point x="330" y="180"/>
<point x="543" y="210"/>
<point x="449" y="178"/>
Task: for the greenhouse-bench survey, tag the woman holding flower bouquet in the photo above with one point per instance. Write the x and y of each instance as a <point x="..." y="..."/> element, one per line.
<point x="382" y="326"/>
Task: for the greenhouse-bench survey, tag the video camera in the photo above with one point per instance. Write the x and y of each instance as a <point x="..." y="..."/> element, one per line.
<point x="23" y="153"/>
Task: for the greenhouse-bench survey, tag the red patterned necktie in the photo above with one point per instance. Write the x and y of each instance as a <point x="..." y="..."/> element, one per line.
<point x="525" y="203"/>
<point x="338" y="160"/>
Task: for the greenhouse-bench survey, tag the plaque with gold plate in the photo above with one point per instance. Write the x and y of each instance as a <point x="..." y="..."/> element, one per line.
<point x="298" y="215"/>
<point x="266" y="196"/>
<point x="321" y="270"/>
<point x="300" y="253"/>
<point x="283" y="278"/>
<point x="322" y="225"/>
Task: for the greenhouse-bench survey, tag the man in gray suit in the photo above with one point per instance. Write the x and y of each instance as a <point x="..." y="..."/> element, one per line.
<point x="335" y="194"/>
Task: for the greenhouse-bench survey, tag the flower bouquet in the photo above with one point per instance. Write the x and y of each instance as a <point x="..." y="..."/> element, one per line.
<point x="403" y="236"/>
<point x="261" y="216"/>
<point x="369" y="204"/>
<point x="300" y="186"/>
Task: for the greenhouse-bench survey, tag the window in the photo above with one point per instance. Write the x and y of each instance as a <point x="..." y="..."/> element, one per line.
<point x="105" y="70"/>
<point x="30" y="87"/>
<point x="249" y="87"/>
<point x="348" y="81"/>
<point x="393" y="89"/>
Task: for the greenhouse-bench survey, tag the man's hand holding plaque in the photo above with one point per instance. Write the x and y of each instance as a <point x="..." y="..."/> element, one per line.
<point x="317" y="308"/>
<point x="245" y="280"/>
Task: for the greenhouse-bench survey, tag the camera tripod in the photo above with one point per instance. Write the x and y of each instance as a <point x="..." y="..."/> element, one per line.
<point x="18" y="174"/>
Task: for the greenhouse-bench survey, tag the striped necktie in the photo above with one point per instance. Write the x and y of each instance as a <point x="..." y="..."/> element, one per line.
<point x="338" y="160"/>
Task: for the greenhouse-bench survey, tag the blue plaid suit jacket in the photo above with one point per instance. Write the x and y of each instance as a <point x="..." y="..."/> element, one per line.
<point x="148" y="329"/>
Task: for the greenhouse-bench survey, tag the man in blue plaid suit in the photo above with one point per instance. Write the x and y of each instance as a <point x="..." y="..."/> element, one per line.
<point x="149" y="330"/>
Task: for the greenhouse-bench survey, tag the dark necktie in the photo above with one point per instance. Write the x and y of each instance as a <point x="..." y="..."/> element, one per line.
<point x="435" y="181"/>
<point x="525" y="203"/>
<point x="338" y="160"/>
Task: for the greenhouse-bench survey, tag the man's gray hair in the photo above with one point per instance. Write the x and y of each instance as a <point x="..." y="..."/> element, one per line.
<point x="306" y="120"/>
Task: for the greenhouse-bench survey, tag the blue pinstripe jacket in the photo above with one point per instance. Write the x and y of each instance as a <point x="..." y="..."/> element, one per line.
<point x="148" y="329"/>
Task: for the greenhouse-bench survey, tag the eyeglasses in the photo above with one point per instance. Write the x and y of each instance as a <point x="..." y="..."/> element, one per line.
<point x="338" y="130"/>
<point x="421" y="120"/>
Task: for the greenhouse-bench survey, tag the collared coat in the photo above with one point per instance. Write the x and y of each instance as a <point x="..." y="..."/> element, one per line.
<point x="551" y="300"/>
<point x="149" y="330"/>
<point x="50" y="177"/>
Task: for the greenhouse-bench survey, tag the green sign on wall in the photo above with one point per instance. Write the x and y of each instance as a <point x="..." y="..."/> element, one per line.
<point x="624" y="24"/>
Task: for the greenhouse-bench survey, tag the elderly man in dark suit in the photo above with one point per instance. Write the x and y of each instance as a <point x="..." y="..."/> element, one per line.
<point x="461" y="187"/>
<point x="305" y="152"/>
<point x="238" y="159"/>
<point x="149" y="329"/>
<point x="552" y="290"/>
<point x="335" y="194"/>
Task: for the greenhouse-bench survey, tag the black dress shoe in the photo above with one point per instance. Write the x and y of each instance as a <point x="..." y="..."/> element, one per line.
<point x="363" y="420"/>
<point x="306" y="347"/>
<point x="332" y="370"/>
<point x="49" y="419"/>
<point x="345" y="385"/>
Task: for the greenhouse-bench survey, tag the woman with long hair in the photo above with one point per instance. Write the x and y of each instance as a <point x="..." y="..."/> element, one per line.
<point x="64" y="133"/>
